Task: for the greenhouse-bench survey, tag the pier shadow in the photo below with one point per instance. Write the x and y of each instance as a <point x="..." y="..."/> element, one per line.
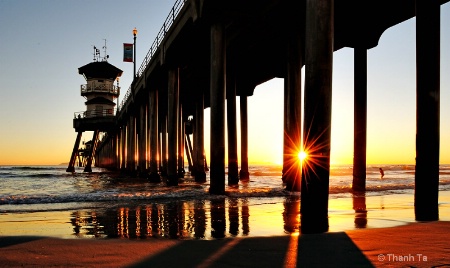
<point x="7" y="241"/>
<point x="330" y="250"/>
<point x="312" y="250"/>
<point x="232" y="252"/>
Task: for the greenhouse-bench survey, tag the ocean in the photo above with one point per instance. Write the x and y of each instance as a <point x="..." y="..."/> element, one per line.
<point x="46" y="200"/>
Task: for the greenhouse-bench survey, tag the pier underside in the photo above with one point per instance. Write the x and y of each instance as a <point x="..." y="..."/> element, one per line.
<point x="217" y="50"/>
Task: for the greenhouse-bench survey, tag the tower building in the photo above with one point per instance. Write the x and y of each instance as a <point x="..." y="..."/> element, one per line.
<point x="100" y="93"/>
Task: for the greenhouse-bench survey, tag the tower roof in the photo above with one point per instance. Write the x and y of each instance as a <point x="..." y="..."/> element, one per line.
<point x="100" y="69"/>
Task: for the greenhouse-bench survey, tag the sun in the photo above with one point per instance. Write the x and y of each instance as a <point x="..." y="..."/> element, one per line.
<point x="302" y="155"/>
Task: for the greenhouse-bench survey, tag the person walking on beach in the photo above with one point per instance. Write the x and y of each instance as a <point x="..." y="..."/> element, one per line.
<point x="382" y="172"/>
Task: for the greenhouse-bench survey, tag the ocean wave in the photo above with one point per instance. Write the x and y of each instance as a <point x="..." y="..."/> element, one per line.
<point x="52" y="185"/>
<point x="13" y="175"/>
<point x="6" y="174"/>
<point x="31" y="168"/>
<point x="100" y="197"/>
<point x="160" y="196"/>
<point x="167" y="194"/>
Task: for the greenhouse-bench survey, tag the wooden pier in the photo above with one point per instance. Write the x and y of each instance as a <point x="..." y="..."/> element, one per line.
<point x="211" y="51"/>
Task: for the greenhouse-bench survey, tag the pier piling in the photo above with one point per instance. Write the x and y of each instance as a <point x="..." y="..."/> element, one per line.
<point x="244" y="175"/>
<point x="217" y="87"/>
<point x="199" y="146"/>
<point x="164" y="146"/>
<point x="181" y="134"/>
<point x="428" y="100"/>
<point x="153" y="175"/>
<point x="360" y="120"/>
<point x="233" y="174"/>
<point x="172" y="127"/>
<point x="141" y="142"/>
<point x="317" y="119"/>
<point x="293" y="113"/>
<point x="123" y="146"/>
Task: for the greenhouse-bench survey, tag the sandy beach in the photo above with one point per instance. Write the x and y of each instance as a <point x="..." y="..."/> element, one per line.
<point x="366" y="231"/>
<point x="412" y="245"/>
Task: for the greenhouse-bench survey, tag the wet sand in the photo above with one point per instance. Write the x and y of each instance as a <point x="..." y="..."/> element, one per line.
<point x="364" y="232"/>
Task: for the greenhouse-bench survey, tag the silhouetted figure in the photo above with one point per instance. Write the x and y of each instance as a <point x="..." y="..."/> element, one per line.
<point x="382" y="172"/>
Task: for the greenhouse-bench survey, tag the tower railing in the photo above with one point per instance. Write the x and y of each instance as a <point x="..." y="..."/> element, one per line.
<point x="100" y="88"/>
<point x="155" y="45"/>
<point x="94" y="113"/>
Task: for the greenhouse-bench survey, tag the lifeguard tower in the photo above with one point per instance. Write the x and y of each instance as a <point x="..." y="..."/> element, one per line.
<point x="100" y="93"/>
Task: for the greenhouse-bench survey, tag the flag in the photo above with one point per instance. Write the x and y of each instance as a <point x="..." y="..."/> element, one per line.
<point x="127" y="52"/>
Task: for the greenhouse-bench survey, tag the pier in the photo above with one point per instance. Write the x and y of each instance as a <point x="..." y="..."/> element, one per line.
<point x="208" y="52"/>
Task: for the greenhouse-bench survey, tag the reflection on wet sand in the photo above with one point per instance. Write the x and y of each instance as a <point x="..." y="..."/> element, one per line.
<point x="233" y="217"/>
<point x="291" y="214"/>
<point x="181" y="220"/>
<point x="359" y="205"/>
<point x="197" y="219"/>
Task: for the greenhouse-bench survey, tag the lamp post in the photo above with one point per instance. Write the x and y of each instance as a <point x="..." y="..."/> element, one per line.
<point x="134" y="54"/>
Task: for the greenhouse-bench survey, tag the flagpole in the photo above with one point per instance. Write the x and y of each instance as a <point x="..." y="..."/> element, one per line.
<point x="134" y="54"/>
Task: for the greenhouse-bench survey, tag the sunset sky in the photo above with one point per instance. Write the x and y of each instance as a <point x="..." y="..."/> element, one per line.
<point x="43" y="43"/>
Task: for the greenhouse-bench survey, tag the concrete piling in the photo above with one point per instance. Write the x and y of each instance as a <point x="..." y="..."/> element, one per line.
<point x="199" y="148"/>
<point x="172" y="127"/>
<point x="233" y="174"/>
<point x="244" y="175"/>
<point x="317" y="119"/>
<point x="293" y="114"/>
<point x="360" y="120"/>
<point x="427" y="114"/>
<point x="153" y="175"/>
<point x="217" y="88"/>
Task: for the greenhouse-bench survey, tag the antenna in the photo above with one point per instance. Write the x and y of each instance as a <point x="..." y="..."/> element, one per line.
<point x="105" y="56"/>
<point x="96" y="54"/>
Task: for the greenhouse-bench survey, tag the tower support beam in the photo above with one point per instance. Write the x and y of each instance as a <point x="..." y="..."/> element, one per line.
<point x="73" y="158"/>
<point x="88" y="167"/>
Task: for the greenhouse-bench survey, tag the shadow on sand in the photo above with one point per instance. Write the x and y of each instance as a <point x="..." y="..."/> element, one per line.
<point x="311" y="250"/>
<point x="15" y="240"/>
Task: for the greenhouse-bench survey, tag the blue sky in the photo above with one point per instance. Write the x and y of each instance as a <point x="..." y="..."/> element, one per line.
<point x="43" y="42"/>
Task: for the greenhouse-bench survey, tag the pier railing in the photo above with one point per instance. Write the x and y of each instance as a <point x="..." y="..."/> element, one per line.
<point x="155" y="45"/>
